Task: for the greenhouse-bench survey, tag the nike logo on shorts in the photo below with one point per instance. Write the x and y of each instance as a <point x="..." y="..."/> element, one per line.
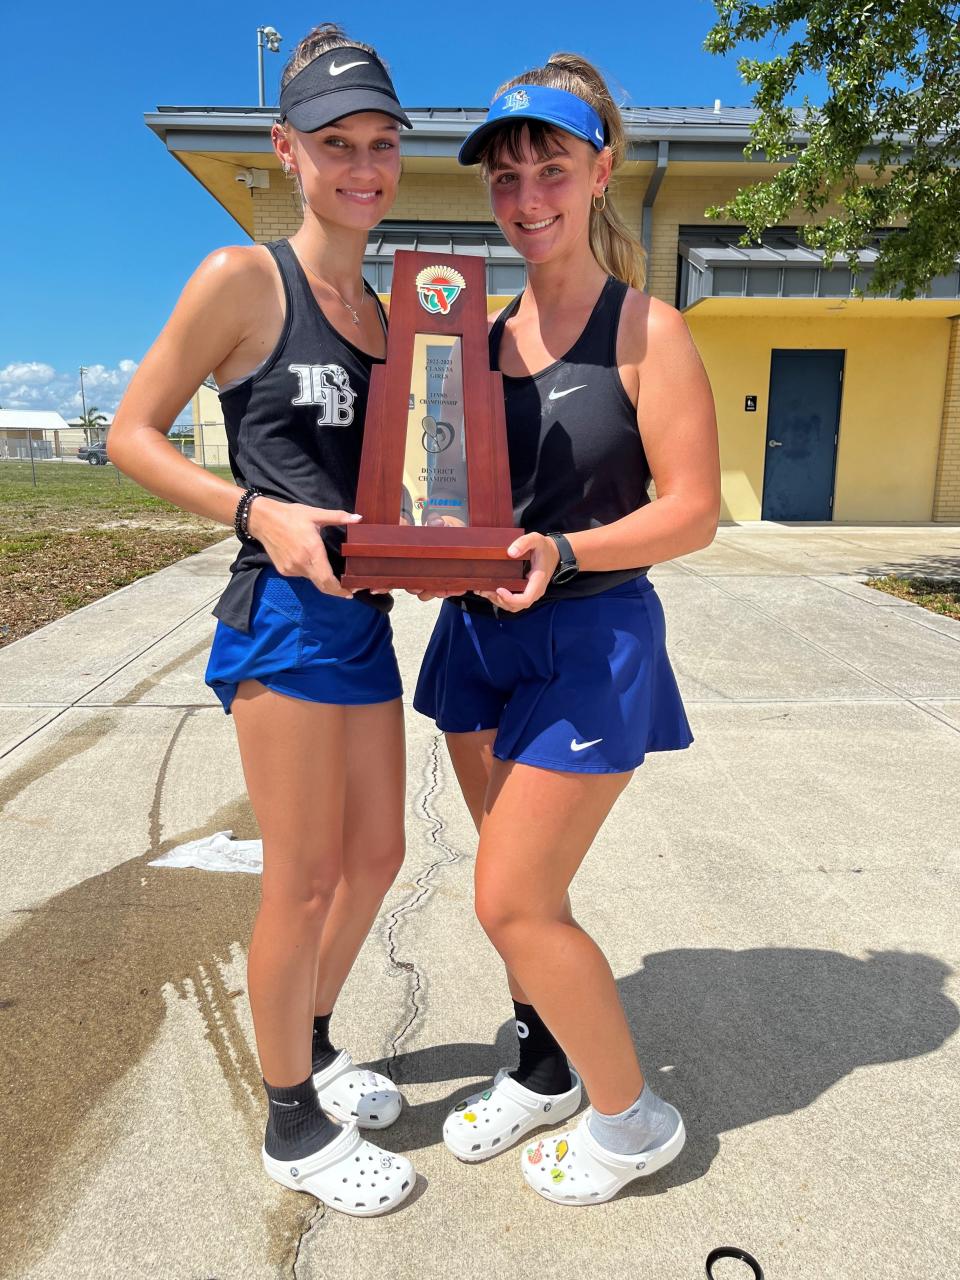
<point x="558" y="395"/>
<point x="582" y="746"/>
<point x="338" y="71"/>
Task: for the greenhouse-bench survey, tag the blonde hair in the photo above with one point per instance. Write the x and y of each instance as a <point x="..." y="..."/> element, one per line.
<point x="615" y="247"/>
<point x="319" y="41"/>
<point x="315" y="43"/>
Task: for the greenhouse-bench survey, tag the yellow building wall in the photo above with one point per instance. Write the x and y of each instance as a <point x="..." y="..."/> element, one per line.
<point x="209" y="431"/>
<point x="890" y="413"/>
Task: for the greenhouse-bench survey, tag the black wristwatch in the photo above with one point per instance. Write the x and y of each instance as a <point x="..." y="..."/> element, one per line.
<point x="567" y="567"/>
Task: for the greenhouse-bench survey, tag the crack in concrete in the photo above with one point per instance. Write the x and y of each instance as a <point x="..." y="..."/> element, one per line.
<point x="423" y="888"/>
<point x="315" y="1219"/>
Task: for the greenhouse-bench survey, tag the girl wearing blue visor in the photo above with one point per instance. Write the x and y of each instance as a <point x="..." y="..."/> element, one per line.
<point x="551" y="696"/>
<point x="291" y="333"/>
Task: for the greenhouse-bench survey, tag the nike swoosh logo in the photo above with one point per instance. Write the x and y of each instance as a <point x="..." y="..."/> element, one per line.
<point x="558" y="395"/>
<point x="284" y="1104"/>
<point x="598" y="135"/>
<point x="338" y="71"/>
<point x="582" y="746"/>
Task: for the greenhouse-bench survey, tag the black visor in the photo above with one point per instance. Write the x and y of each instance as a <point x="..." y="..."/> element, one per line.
<point x="339" y="83"/>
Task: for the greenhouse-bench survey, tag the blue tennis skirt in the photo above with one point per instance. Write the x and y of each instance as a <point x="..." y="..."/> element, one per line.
<point x="581" y="685"/>
<point x="306" y="645"/>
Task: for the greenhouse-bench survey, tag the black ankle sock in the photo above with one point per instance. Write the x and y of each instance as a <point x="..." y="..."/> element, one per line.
<point x="323" y="1051"/>
<point x="296" y="1126"/>
<point x="543" y="1064"/>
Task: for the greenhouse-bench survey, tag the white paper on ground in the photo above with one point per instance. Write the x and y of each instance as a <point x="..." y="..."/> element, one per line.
<point x="218" y="852"/>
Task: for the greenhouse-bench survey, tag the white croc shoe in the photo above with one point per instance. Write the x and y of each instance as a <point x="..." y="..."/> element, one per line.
<point x="351" y="1093"/>
<point x="487" y="1123"/>
<point x="349" y="1174"/>
<point x="572" y="1168"/>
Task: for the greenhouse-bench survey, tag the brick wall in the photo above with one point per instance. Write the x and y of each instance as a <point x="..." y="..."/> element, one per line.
<point x="946" y="497"/>
<point x="276" y="211"/>
<point x="423" y="197"/>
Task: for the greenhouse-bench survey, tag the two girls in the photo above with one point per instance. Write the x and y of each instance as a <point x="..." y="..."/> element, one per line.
<point x="549" y="697"/>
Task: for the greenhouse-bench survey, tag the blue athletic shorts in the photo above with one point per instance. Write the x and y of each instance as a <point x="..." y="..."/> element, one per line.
<point x="307" y="645"/>
<point x="581" y="685"/>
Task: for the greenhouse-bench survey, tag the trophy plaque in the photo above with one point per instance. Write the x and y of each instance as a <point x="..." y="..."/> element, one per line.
<point x="434" y="487"/>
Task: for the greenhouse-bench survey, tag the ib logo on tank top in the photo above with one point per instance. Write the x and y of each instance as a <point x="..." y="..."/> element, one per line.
<point x="328" y="387"/>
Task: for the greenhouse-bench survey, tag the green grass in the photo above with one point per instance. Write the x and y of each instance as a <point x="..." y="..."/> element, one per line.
<point x="80" y="534"/>
<point x="937" y="595"/>
<point x="70" y="493"/>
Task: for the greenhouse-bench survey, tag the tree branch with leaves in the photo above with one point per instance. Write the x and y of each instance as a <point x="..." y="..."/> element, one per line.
<point x="893" y="105"/>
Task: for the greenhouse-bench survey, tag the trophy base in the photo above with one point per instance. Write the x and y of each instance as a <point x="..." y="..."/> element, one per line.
<point x="452" y="560"/>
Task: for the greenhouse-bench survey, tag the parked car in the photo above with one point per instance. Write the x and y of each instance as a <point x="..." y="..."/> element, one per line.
<point x="95" y="454"/>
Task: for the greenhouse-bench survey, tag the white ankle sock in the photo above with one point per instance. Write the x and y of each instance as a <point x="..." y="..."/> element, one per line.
<point x="645" y="1123"/>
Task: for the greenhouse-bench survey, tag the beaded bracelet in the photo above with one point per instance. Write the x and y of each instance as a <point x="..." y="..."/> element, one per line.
<point x="241" y="518"/>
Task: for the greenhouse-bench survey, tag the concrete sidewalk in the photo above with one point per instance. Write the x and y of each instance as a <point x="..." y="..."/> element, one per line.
<point x="778" y="904"/>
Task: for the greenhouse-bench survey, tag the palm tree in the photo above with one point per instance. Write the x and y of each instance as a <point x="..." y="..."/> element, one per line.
<point x="92" y="421"/>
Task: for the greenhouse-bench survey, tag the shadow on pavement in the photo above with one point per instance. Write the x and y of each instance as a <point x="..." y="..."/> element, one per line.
<point x="939" y="566"/>
<point x="733" y="1037"/>
<point x="730" y="1037"/>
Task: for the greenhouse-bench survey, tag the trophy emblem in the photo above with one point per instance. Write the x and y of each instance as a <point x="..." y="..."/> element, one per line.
<point x="438" y="288"/>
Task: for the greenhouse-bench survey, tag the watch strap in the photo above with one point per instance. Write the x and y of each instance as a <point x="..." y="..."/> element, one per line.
<point x="567" y="565"/>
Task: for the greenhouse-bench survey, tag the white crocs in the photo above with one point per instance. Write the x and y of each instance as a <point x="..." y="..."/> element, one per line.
<point x="349" y="1174"/>
<point x="351" y="1093"/>
<point x="487" y="1123"/>
<point x="572" y="1168"/>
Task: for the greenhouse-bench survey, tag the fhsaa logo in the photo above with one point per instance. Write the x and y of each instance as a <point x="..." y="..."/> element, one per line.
<point x="328" y="387"/>
<point x="438" y="289"/>
<point x="517" y="100"/>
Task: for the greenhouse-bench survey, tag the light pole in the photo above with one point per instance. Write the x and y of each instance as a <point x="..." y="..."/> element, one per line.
<point x="83" y="401"/>
<point x="270" y="37"/>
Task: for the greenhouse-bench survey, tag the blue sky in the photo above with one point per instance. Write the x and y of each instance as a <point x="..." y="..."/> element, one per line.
<point x="111" y="227"/>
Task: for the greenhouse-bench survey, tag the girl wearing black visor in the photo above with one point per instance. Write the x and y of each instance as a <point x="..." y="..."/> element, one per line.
<point x="291" y="332"/>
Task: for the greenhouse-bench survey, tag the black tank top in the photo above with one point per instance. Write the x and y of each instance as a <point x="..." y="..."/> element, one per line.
<point x="295" y="426"/>
<point x="576" y="458"/>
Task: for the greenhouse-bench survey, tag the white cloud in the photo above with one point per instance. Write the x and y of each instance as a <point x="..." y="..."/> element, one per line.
<point x="31" y="384"/>
<point x="32" y="373"/>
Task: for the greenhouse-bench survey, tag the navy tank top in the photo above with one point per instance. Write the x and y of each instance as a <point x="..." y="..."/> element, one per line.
<point x="295" y="426"/>
<point x="576" y="458"/>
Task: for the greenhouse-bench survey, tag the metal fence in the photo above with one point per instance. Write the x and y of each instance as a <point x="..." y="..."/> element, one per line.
<point x="45" y="450"/>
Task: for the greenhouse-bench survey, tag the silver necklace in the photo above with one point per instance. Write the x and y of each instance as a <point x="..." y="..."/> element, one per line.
<point x="354" y="311"/>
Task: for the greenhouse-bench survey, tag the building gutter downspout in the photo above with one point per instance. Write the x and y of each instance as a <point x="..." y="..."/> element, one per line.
<point x="650" y="196"/>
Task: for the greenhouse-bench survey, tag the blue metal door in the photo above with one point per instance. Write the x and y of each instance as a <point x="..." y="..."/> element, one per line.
<point x="802" y="430"/>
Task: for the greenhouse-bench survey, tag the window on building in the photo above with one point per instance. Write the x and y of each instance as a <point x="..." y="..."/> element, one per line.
<point x="506" y="277"/>
<point x="379" y="275"/>
<point x="835" y="283"/>
<point x="945" y="286"/>
<point x="505" y="270"/>
<point x="800" y="282"/>
<point x="728" y="282"/>
<point x="763" y="282"/>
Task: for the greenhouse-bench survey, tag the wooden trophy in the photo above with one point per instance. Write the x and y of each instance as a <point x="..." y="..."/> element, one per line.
<point x="434" y="488"/>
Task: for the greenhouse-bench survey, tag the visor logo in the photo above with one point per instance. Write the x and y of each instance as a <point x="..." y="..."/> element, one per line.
<point x="517" y="100"/>
<point x="438" y="289"/>
<point x="338" y="71"/>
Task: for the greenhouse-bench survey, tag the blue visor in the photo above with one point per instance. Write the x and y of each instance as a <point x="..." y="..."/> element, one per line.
<point x="536" y="102"/>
